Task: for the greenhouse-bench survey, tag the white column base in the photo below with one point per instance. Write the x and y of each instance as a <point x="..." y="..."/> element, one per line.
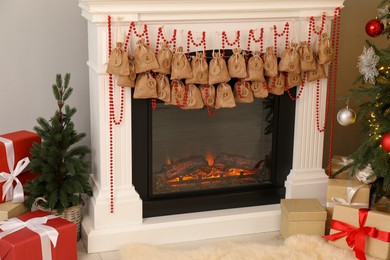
<point x="182" y="227"/>
<point x="307" y="183"/>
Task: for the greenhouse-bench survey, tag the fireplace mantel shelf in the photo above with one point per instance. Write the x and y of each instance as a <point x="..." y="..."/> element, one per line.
<point x="103" y="230"/>
<point x="158" y="11"/>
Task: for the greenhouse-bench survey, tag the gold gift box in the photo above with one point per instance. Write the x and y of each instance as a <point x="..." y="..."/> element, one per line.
<point x="302" y="216"/>
<point x="9" y="210"/>
<point x="340" y="188"/>
<point x="379" y="220"/>
<point x="339" y="162"/>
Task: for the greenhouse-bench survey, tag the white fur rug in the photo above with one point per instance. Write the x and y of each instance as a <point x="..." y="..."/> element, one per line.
<point x="299" y="247"/>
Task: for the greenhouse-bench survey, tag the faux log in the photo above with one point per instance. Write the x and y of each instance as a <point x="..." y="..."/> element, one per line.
<point x="235" y="161"/>
<point x="184" y="166"/>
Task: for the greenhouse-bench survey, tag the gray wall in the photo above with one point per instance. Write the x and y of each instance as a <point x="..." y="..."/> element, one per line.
<point x="39" y="39"/>
<point x="43" y="37"/>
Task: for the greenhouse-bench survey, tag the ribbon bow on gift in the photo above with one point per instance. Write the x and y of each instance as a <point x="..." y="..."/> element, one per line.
<point x="48" y="234"/>
<point x="356" y="236"/>
<point x="9" y="193"/>
<point x="351" y="191"/>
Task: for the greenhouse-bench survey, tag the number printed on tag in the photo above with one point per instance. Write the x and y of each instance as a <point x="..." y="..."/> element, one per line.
<point x="191" y="101"/>
<point x="291" y="66"/>
<point x="225" y="95"/>
<point x="151" y="83"/>
<point x="268" y="65"/>
<point x="147" y="58"/>
<point x="166" y="63"/>
<point x="244" y="91"/>
<point x="328" y="51"/>
<point x="179" y="64"/>
<point x="255" y="86"/>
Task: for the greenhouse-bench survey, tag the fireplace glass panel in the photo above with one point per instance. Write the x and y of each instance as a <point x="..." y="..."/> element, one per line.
<point x="195" y="152"/>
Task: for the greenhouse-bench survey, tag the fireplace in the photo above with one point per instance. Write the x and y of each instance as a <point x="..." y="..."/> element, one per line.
<point x="239" y="157"/>
<point x="115" y="213"/>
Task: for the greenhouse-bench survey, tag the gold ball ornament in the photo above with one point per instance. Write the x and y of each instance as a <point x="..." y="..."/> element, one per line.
<point x="346" y="116"/>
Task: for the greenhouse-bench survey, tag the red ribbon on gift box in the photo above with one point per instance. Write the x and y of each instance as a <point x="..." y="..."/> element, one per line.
<point x="356" y="236"/>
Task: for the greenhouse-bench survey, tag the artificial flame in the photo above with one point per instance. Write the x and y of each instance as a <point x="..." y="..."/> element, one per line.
<point x="168" y="161"/>
<point x="210" y="159"/>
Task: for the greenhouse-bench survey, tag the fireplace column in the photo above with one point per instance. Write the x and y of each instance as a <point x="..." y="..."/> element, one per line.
<point x="307" y="178"/>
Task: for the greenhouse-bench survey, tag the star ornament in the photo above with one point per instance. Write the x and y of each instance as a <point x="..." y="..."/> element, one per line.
<point x="367" y="65"/>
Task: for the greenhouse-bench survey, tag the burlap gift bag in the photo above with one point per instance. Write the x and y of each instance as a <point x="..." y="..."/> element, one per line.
<point x="128" y="80"/>
<point x="236" y="64"/>
<point x="325" y="50"/>
<point x="318" y="73"/>
<point x="208" y="94"/>
<point x="259" y="89"/>
<point x="270" y="63"/>
<point x="178" y="93"/>
<point x="181" y="67"/>
<point x="293" y="80"/>
<point x="277" y="84"/>
<point x="194" y="98"/>
<point x="118" y="63"/>
<point x="224" y="97"/>
<point x="200" y="70"/>
<point x="306" y="54"/>
<point x="164" y="58"/>
<point x="163" y="88"/>
<point x="218" y="72"/>
<point x="290" y="60"/>
<point x="255" y="68"/>
<point x="242" y="92"/>
<point x="145" y="86"/>
<point x="144" y="58"/>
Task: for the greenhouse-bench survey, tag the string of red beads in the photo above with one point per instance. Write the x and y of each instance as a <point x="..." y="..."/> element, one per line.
<point x="251" y="37"/>
<point x="207" y="94"/>
<point x="286" y="32"/>
<point x="190" y="39"/>
<point x="161" y="37"/>
<point x="335" y="44"/>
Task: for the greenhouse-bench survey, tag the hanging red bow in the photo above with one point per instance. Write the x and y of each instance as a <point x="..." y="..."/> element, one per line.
<point x="356" y="236"/>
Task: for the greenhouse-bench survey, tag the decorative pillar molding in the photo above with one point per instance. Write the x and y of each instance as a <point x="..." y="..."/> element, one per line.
<point x="102" y="230"/>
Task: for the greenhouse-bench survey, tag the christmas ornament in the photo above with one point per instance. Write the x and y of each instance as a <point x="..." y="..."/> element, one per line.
<point x="386" y="142"/>
<point x="346" y="116"/>
<point x="367" y="65"/>
<point x="374" y="28"/>
<point x="366" y="175"/>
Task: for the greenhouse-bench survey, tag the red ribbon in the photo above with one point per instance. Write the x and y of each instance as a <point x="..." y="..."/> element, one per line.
<point x="356" y="236"/>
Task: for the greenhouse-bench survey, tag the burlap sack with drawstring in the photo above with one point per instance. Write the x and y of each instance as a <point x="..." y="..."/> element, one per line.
<point x="200" y="70"/>
<point x="145" y="86"/>
<point x="218" y="72"/>
<point x="224" y="97"/>
<point x="270" y="63"/>
<point x="277" y="84"/>
<point x="144" y="58"/>
<point x="163" y="88"/>
<point x="293" y="80"/>
<point x="325" y="50"/>
<point x="318" y="73"/>
<point x="118" y="63"/>
<point x="128" y="80"/>
<point x="194" y="98"/>
<point x="181" y="67"/>
<point x="236" y="64"/>
<point x="255" y="68"/>
<point x="259" y="89"/>
<point x="242" y="92"/>
<point x="208" y="95"/>
<point x="178" y="93"/>
<point x="290" y="60"/>
<point x="306" y="54"/>
<point x="164" y="58"/>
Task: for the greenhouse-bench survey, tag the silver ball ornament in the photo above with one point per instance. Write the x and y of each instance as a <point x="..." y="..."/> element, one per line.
<point x="346" y="116"/>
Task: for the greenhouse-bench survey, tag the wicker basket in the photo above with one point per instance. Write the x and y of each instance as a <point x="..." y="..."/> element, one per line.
<point x="72" y="214"/>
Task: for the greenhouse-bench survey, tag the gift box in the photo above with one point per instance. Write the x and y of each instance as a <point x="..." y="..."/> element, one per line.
<point x="367" y="232"/>
<point x="10" y="210"/>
<point x="337" y="163"/>
<point x="349" y="192"/>
<point x="25" y="243"/>
<point x="14" y="152"/>
<point x="302" y="216"/>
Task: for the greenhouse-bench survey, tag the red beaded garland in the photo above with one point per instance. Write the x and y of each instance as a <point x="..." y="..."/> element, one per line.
<point x="160" y="36"/>
<point x="207" y="94"/>
<point x="237" y="41"/>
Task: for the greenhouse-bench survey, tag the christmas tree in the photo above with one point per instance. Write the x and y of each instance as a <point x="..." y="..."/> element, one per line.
<point x="371" y="161"/>
<point x="63" y="171"/>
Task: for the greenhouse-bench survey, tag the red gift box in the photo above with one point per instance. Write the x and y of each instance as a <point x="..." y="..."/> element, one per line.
<point x="16" y="145"/>
<point x="25" y="244"/>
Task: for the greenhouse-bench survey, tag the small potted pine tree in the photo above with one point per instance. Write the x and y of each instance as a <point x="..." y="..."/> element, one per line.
<point x="61" y="165"/>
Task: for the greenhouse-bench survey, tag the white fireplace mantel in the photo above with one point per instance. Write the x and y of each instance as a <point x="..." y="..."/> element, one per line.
<point x="102" y="230"/>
